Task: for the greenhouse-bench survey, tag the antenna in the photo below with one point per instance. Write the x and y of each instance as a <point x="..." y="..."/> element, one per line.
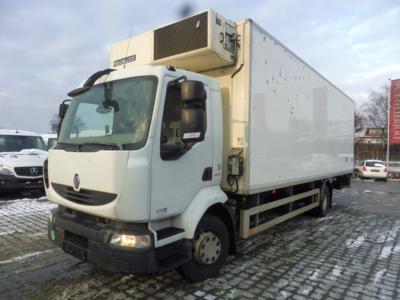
<point x="129" y="43"/>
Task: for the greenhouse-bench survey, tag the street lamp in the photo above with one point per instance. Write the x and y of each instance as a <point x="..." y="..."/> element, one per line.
<point x="388" y="124"/>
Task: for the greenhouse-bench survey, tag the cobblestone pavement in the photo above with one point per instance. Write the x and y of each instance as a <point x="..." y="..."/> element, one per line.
<point x="353" y="253"/>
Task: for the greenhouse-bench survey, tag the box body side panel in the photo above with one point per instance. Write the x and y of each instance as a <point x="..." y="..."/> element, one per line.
<point x="300" y="125"/>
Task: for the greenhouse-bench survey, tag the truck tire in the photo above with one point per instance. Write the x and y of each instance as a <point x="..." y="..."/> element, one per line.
<point x="211" y="244"/>
<point x="322" y="209"/>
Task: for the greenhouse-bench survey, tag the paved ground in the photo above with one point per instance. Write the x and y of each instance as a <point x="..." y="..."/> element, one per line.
<point x="352" y="253"/>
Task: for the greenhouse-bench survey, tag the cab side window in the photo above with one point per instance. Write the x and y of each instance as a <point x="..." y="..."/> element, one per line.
<point x="172" y="146"/>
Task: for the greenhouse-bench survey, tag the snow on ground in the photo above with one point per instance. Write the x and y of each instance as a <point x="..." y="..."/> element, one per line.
<point x="23" y="257"/>
<point x="387" y="250"/>
<point x="379" y="275"/>
<point x="25" y="207"/>
<point x="337" y="270"/>
<point x="354" y="244"/>
<point x="314" y="276"/>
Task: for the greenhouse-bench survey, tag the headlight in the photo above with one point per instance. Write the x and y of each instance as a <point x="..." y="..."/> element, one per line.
<point x="5" y="170"/>
<point x="131" y="241"/>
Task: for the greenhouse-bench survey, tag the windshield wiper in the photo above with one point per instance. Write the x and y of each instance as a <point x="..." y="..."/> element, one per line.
<point x="68" y="146"/>
<point x="96" y="146"/>
<point x="88" y="147"/>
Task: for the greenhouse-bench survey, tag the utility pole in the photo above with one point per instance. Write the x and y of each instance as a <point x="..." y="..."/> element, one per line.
<point x="388" y="124"/>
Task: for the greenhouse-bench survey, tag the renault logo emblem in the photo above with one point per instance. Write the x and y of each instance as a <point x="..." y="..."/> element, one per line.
<point x="77" y="181"/>
<point x="33" y="171"/>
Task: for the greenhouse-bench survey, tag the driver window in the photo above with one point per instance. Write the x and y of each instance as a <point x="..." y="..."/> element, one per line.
<point x="171" y="140"/>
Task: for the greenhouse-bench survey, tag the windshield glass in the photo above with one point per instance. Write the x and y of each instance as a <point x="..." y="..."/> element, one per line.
<point x="16" y="143"/>
<point x="113" y="113"/>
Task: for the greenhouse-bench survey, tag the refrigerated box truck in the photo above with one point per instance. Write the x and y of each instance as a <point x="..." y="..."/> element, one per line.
<point x="200" y="133"/>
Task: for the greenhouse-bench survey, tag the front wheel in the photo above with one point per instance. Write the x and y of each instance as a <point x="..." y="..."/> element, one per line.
<point x="211" y="244"/>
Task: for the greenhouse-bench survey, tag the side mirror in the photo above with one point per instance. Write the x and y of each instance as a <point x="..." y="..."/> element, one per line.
<point x="193" y="124"/>
<point x="63" y="108"/>
<point x="193" y="91"/>
<point x="193" y="120"/>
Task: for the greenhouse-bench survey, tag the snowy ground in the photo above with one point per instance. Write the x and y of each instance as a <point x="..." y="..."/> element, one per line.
<point x="352" y="253"/>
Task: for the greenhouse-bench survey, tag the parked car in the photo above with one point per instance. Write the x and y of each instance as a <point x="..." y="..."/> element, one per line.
<point x="22" y="154"/>
<point x="374" y="169"/>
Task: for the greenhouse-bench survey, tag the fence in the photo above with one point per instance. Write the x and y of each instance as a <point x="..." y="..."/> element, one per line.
<point x="376" y="151"/>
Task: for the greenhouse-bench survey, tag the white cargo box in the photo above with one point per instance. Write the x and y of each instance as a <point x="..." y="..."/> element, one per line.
<point x="290" y="123"/>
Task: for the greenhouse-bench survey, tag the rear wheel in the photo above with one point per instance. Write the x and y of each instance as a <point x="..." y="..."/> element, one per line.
<point x="211" y="246"/>
<point x="324" y="200"/>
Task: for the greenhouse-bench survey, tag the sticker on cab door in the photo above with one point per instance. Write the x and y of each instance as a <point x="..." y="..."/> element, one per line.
<point x="191" y="135"/>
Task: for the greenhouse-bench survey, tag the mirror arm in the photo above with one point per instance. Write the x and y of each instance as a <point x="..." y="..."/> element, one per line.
<point x="175" y="81"/>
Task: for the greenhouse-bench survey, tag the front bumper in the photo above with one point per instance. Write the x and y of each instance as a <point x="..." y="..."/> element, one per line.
<point x="86" y="237"/>
<point x="17" y="183"/>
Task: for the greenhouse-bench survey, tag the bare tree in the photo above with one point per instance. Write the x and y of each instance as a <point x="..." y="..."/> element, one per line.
<point x="359" y="120"/>
<point x="55" y="123"/>
<point x="375" y="110"/>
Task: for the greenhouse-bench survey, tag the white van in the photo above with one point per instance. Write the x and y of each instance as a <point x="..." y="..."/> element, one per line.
<point x="22" y="154"/>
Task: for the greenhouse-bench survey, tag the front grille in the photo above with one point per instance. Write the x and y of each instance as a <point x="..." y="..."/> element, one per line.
<point x="29" y="171"/>
<point x="83" y="196"/>
<point x="183" y="36"/>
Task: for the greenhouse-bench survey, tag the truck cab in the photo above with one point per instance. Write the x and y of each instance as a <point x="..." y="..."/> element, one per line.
<point x="136" y="154"/>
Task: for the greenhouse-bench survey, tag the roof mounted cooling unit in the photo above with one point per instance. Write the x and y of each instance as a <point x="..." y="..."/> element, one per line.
<point x="198" y="43"/>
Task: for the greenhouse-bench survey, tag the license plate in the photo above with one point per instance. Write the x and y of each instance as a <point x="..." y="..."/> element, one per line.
<point x="374" y="170"/>
<point x="74" y="251"/>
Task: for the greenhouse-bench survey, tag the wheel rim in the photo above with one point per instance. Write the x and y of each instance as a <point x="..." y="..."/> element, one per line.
<point x="207" y="248"/>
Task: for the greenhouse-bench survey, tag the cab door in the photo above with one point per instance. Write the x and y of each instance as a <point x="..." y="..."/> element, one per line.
<point x="179" y="171"/>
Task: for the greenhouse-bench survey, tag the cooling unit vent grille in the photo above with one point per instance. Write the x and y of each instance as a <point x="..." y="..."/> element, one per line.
<point x="184" y="36"/>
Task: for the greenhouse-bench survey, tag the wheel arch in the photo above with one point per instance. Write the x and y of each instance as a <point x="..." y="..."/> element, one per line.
<point x="226" y="215"/>
<point x="203" y="200"/>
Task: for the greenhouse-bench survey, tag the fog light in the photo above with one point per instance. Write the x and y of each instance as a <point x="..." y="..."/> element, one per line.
<point x="130" y="240"/>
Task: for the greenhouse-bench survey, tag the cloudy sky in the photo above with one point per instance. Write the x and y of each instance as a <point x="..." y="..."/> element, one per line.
<point x="49" y="47"/>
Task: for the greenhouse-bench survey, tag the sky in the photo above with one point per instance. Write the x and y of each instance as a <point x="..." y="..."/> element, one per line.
<point x="49" y="47"/>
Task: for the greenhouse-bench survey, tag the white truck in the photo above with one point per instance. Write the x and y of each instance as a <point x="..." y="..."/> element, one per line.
<point x="22" y="154"/>
<point x="200" y="133"/>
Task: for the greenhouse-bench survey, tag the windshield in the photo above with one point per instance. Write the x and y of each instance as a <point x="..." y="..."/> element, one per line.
<point x="16" y="143"/>
<point x="115" y="114"/>
<point x="374" y="164"/>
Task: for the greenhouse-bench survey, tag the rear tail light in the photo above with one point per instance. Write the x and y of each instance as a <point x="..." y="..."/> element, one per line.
<point x="385" y="170"/>
<point x="364" y="168"/>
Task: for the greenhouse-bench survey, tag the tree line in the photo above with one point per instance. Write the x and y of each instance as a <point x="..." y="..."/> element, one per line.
<point x="372" y="113"/>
